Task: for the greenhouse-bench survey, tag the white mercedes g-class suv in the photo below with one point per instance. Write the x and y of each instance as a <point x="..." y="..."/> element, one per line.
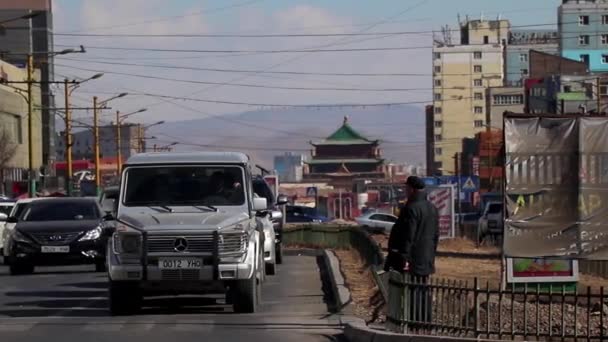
<point x="186" y="223"/>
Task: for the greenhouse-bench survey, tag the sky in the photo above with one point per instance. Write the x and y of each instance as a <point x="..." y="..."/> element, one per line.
<point x="76" y="20"/>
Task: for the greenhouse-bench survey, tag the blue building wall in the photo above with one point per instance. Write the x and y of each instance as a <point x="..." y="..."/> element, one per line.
<point x="517" y="58"/>
<point x="595" y="58"/>
<point x="570" y="31"/>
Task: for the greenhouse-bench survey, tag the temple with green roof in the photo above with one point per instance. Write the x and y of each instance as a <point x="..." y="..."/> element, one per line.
<point x="345" y="156"/>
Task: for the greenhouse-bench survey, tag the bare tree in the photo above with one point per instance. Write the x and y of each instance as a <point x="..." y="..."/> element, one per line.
<point x="7" y="151"/>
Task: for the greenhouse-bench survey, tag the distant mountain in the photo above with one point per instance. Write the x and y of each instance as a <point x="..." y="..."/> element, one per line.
<point x="266" y="133"/>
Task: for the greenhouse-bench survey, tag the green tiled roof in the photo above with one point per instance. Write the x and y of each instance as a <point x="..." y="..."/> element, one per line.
<point x="345" y="135"/>
<point x="344" y="161"/>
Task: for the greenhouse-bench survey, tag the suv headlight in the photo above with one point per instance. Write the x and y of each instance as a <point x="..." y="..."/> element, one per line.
<point x="91" y="234"/>
<point x="233" y="244"/>
<point x="127" y="240"/>
<point x="19" y="237"/>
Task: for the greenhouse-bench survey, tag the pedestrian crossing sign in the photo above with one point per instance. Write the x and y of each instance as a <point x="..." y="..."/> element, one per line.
<point x="469" y="185"/>
<point x="311" y="192"/>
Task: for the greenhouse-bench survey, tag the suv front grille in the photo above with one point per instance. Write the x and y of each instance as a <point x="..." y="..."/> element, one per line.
<point x="54" y="238"/>
<point x="180" y="274"/>
<point x="229" y="244"/>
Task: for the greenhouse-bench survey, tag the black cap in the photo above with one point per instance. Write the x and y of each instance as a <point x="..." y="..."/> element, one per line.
<point x="415" y="182"/>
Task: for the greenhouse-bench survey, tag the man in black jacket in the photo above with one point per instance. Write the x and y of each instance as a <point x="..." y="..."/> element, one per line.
<point x="412" y="246"/>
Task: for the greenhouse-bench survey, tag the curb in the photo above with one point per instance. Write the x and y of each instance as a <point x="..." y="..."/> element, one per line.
<point x="342" y="295"/>
<point x="359" y="332"/>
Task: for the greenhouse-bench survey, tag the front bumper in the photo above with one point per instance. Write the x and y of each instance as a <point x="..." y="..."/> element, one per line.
<point x="81" y="252"/>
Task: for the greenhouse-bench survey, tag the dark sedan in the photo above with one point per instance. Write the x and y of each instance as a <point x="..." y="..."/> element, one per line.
<point x="57" y="231"/>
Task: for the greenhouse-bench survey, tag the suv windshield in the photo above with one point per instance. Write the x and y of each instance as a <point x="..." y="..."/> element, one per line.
<point x="184" y="185"/>
<point x="61" y="211"/>
<point x="495" y="208"/>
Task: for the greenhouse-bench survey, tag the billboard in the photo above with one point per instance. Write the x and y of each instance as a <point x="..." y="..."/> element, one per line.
<point x="556" y="187"/>
<point x="523" y="270"/>
<point x="443" y="198"/>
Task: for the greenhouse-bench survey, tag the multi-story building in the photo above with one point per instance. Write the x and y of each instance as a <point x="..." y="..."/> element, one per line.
<point x="517" y="54"/>
<point x="583" y="29"/>
<point x="20" y="37"/>
<point x="500" y="100"/>
<point x="290" y="167"/>
<point x="462" y="73"/>
<point x="132" y="140"/>
<point x="14" y="123"/>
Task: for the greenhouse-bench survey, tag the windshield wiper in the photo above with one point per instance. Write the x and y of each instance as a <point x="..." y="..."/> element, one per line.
<point x="205" y="207"/>
<point x="166" y="208"/>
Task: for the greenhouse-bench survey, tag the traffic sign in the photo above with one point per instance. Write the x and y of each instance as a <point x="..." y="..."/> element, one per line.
<point x="468" y="185"/>
<point x="311" y="192"/>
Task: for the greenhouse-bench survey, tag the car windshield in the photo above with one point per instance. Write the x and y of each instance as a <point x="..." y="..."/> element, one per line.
<point x="61" y="211"/>
<point x="495" y="208"/>
<point x="184" y="186"/>
<point x="6" y="209"/>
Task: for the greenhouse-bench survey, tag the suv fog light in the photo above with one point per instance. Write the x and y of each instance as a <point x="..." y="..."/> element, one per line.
<point x="227" y="274"/>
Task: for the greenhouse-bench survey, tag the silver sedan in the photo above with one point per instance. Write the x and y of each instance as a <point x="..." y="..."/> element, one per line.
<point x="377" y="221"/>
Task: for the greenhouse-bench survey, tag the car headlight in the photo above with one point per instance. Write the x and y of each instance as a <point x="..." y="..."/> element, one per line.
<point x="127" y="240"/>
<point x="233" y="243"/>
<point x="317" y="221"/>
<point x="19" y="237"/>
<point x="91" y="234"/>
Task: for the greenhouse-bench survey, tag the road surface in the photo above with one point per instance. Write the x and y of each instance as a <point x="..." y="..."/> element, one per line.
<point x="69" y="304"/>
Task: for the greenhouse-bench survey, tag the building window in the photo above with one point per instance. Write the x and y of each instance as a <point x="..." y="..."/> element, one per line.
<point x="438" y="83"/>
<point x="524" y="72"/>
<point x="478" y="110"/>
<point x="478" y="96"/>
<point x="604" y="19"/>
<point x="604" y="59"/>
<point x="437" y="55"/>
<point x="437" y="68"/>
<point x="585" y="59"/>
<point x="604" y="90"/>
<point x="583" y="40"/>
<point x="486" y="39"/>
<point x="477" y="68"/>
<point x="478" y="123"/>
<point x="523" y="57"/>
<point x="437" y="97"/>
<point x="583" y="20"/>
<point x="438" y="124"/>
<point x="438" y="137"/>
<point x="477" y="55"/>
<point x="438" y="151"/>
<point x="478" y="83"/>
<point x="605" y="39"/>
<point x="510" y="99"/>
<point x="438" y="110"/>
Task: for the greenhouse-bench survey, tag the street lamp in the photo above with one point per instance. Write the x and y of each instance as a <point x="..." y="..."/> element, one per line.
<point x="96" y="105"/>
<point x="68" y="125"/>
<point x="120" y="117"/>
<point x="141" y="132"/>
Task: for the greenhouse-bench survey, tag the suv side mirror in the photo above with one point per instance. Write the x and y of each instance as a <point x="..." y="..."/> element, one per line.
<point x="276" y="214"/>
<point x="3" y="217"/>
<point x="282" y="200"/>
<point x="11" y="219"/>
<point x="260" y="204"/>
<point x="108" y="205"/>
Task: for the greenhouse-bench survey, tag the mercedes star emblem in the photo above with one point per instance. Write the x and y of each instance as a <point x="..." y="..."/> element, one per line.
<point x="180" y="244"/>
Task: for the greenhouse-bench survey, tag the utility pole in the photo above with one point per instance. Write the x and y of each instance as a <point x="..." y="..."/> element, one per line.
<point x="68" y="138"/>
<point x="118" y="147"/>
<point x="140" y="145"/>
<point x="96" y="146"/>
<point x="30" y="128"/>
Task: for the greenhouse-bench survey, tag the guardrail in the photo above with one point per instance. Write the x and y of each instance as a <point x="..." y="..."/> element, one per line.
<point x="443" y="307"/>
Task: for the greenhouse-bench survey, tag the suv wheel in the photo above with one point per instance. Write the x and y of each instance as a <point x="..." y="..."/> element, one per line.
<point x="19" y="268"/>
<point x="100" y="265"/>
<point x="279" y="253"/>
<point x="125" y="299"/>
<point x="246" y="295"/>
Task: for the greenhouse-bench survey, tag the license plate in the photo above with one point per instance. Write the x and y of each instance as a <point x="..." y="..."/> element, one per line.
<point x="55" y="249"/>
<point x="180" y="264"/>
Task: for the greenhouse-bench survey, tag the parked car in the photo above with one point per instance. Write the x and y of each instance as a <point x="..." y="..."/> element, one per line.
<point x="186" y="224"/>
<point x="492" y="220"/>
<point x="16" y="211"/>
<point x="6" y="206"/>
<point x="303" y="214"/>
<point x="56" y="231"/>
<point x="376" y="221"/>
<point x="275" y="215"/>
